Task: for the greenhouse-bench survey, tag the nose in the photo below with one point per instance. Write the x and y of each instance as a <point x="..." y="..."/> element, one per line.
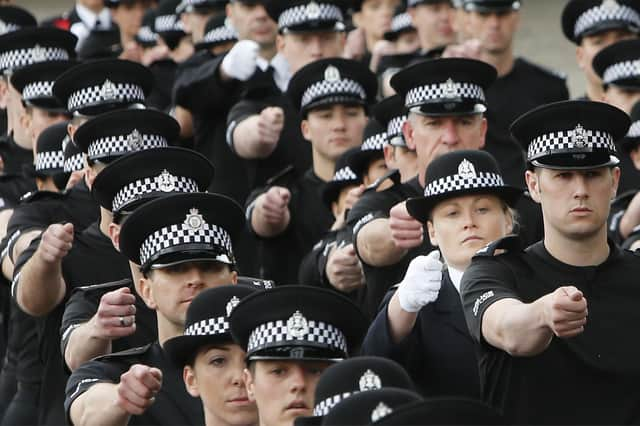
<point x="580" y="189"/>
<point x="450" y="134"/>
<point x="468" y="219"/>
<point x="338" y="122"/>
<point x="194" y="277"/>
<point x="297" y="379"/>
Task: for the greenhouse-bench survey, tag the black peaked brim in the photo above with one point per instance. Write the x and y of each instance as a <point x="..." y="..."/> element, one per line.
<point x="359" y="161"/>
<point x="332" y="190"/>
<point x="183" y="348"/>
<point x="420" y="207"/>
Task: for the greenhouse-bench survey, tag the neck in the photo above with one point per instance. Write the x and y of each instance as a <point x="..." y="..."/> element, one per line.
<point x="167" y="330"/>
<point x="323" y="167"/>
<point x="210" y="419"/>
<point x="371" y="41"/>
<point x="502" y="61"/>
<point x="589" y="251"/>
<point x="595" y="92"/>
<point x="268" y="52"/>
<point x="105" y="220"/>
<point x="22" y="142"/>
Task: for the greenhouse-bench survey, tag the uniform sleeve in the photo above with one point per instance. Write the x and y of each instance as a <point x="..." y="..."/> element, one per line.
<point x="20" y="262"/>
<point x="369" y="208"/>
<point x="485" y="281"/>
<point x="312" y="267"/>
<point x="79" y="309"/>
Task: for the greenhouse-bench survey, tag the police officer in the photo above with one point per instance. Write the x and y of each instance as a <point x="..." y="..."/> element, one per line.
<point x="86" y="15"/>
<point x="542" y="318"/>
<point x="432" y="19"/>
<point x="183" y="244"/>
<point x="195" y="14"/>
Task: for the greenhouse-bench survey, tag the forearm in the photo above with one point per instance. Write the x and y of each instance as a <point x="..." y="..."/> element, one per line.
<point x="517" y="328"/>
<point x="98" y="406"/>
<point x="375" y="245"/>
<point x="40" y="287"/>
<point x="247" y="142"/>
<point x="401" y="322"/>
<point x="84" y="345"/>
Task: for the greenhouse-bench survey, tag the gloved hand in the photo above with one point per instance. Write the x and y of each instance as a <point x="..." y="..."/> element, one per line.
<point x="421" y="283"/>
<point x="240" y="63"/>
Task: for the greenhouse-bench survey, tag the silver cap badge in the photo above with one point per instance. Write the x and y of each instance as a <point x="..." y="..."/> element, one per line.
<point x="108" y="90"/>
<point x="134" y="140"/>
<point x="370" y="381"/>
<point x="313" y="10"/>
<point x="450" y="89"/>
<point x="466" y="169"/>
<point x="579" y="137"/>
<point x="331" y="74"/>
<point x="194" y="220"/>
<point x="166" y="181"/>
<point x="297" y="325"/>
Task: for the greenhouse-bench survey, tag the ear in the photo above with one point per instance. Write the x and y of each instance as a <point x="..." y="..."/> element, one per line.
<point x="580" y="57"/>
<point x="483" y="132"/>
<point x="190" y="381"/>
<point x="615" y="172"/>
<point x="114" y="234"/>
<point x="533" y="185"/>
<point x="234" y="277"/>
<point x="334" y="209"/>
<point x="249" y="385"/>
<point x="280" y="42"/>
<point x="304" y="128"/>
<point x="389" y="157"/>
<point x="432" y="234"/>
<point x="146" y="292"/>
<point x="407" y="132"/>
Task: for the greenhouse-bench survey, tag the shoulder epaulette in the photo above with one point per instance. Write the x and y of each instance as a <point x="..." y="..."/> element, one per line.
<point x="141" y="350"/>
<point x="32" y="196"/>
<point x="98" y="287"/>
<point x="509" y="243"/>
<point x="256" y="282"/>
<point x="545" y="70"/>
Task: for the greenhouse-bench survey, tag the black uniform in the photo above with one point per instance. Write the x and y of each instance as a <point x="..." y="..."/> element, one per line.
<point x="173" y="405"/>
<point x="164" y="75"/>
<point x="92" y="259"/>
<point x="313" y="265"/>
<point x="439" y="353"/>
<point x="591" y="378"/>
<point x="17" y="176"/>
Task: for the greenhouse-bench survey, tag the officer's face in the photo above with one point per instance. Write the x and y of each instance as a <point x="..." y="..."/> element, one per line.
<point x="432" y="136"/>
<point x="575" y="203"/>
<point x="252" y="23"/>
<point x="283" y="390"/>
<point x="407" y="42"/>
<point x="434" y="24"/>
<point x="461" y="226"/>
<point x="375" y="17"/>
<point x="40" y="120"/>
<point x="339" y="206"/>
<point x="621" y="98"/>
<point x="334" y="129"/>
<point x="494" y="30"/>
<point x="300" y="49"/>
<point x="129" y="17"/>
<point x="591" y="45"/>
<point x="216" y="377"/>
<point x="170" y="290"/>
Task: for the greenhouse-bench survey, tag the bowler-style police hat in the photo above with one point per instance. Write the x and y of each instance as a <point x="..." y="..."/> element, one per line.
<point x="343" y="177"/>
<point x="632" y="139"/>
<point x="369" y="407"/>
<point x="619" y="64"/>
<point x="217" y="31"/>
<point x="31" y="45"/>
<point x="35" y="84"/>
<point x="373" y="141"/>
<point x="582" y="18"/>
<point x="49" y="158"/>
<point x="392" y="114"/>
<point x="401" y="23"/>
<point x="13" y="18"/>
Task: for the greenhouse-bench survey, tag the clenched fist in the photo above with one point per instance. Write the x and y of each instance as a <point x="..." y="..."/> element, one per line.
<point x="344" y="270"/>
<point x="270" y="125"/>
<point x="241" y="61"/>
<point x="138" y="387"/>
<point x="565" y="312"/>
<point x="56" y="242"/>
<point x="116" y="316"/>
<point x="273" y="205"/>
<point x="421" y="283"/>
<point x="406" y="232"/>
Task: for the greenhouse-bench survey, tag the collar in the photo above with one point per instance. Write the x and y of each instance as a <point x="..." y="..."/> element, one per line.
<point x="281" y="71"/>
<point x="88" y="17"/>
<point x="456" y="277"/>
<point x="539" y="249"/>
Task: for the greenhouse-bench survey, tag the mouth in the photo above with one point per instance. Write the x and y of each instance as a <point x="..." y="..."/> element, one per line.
<point x="471" y="238"/>
<point x="297" y="405"/>
<point x="580" y="210"/>
<point x="241" y="400"/>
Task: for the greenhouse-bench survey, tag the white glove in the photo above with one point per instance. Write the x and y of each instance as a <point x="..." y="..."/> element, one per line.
<point x="421" y="283"/>
<point x="241" y="61"/>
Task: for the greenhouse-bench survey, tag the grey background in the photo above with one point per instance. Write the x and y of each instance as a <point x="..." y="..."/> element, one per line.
<point x="540" y="37"/>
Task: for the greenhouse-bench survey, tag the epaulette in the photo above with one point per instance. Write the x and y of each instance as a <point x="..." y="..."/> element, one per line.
<point x="99" y="287"/>
<point x="141" y="350"/>
<point x="624" y="199"/>
<point x="256" y="283"/>
<point x="32" y="196"/>
<point x="394" y="175"/>
<point x="550" y="72"/>
<point x="509" y="243"/>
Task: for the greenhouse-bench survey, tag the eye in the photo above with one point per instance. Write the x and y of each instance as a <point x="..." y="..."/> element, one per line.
<point x="217" y="361"/>
<point x="451" y="213"/>
<point x="277" y="371"/>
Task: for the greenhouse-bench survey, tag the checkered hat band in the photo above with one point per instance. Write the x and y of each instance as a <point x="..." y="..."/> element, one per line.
<point x="458" y="182"/>
<point x="74" y="163"/>
<point x="634" y="130"/>
<point x="323" y="407"/>
<point x="343" y="174"/>
<point x="412" y="3"/>
<point x="166" y="23"/>
<point x="374" y="143"/>
<point x="208" y="327"/>
<point x="181" y="234"/>
<point x="622" y="70"/>
<point x="563" y="141"/>
<point x="147" y="35"/>
<point x="220" y="35"/>
<point x="37" y="89"/>
<point x="122" y="92"/>
<point x="401" y="22"/>
<point x="121" y="144"/>
<point x="327" y="88"/>
<point x="394" y="128"/>
<point x="150" y="185"/>
<point x="436" y="92"/>
<point x="298" y="15"/>
<point x="49" y="160"/>
<point x="275" y="332"/>
<point x="602" y="13"/>
<point x="23" y="57"/>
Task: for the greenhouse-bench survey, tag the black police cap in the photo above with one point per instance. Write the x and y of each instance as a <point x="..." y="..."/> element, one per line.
<point x="392" y="114"/>
<point x="49" y="158"/>
<point x="35" y="83"/>
<point x="369" y="407"/>
<point x="488" y="6"/>
<point x="444" y="411"/>
<point x="100" y="44"/>
<point x="401" y="23"/>
<point x="13" y="18"/>
<point x="74" y="158"/>
<point x="216" y="32"/>
<point x="582" y="18"/>
<point x="414" y="3"/>
<point x="632" y="140"/>
<point x="146" y="35"/>
<point x="373" y="141"/>
<point x="619" y="64"/>
<point x="307" y="15"/>
<point x="200" y="6"/>
<point x="35" y="44"/>
<point x="343" y="177"/>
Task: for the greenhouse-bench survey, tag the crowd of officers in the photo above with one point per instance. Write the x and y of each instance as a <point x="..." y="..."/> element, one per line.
<point x="324" y="212"/>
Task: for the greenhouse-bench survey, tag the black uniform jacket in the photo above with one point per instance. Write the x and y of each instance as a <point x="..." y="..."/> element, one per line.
<point x="439" y="353"/>
<point x="588" y="379"/>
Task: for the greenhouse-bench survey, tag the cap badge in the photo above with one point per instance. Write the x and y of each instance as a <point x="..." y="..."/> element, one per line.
<point x="450" y="89"/>
<point x="38" y="53"/>
<point x="382" y="410"/>
<point x="466" y="169"/>
<point x="233" y="302"/>
<point x="370" y="381"/>
<point x="194" y="220"/>
<point x="331" y="74"/>
<point x="610" y="4"/>
<point x="134" y="140"/>
<point x="166" y="181"/>
<point x="313" y="10"/>
<point x="297" y="325"/>
<point x="4" y="28"/>
<point x="579" y="136"/>
<point x="108" y="90"/>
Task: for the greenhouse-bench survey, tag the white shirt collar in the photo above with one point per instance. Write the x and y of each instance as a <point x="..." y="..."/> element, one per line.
<point x="88" y="17"/>
<point x="281" y="72"/>
<point x="456" y="277"/>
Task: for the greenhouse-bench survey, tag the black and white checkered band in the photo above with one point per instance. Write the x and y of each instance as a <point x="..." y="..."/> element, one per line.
<point x="182" y="234"/>
<point x="8" y="27"/>
<point x="401" y="22"/>
<point x="49" y="160"/>
<point x="37" y="89"/>
<point x="220" y="35"/>
<point x="22" y="57"/>
<point x="146" y="35"/>
<point x="374" y="143"/>
<point x="122" y="144"/>
<point x="105" y="92"/>
<point x="634" y="130"/>
<point x="394" y="128"/>
<point x="323" y="407"/>
<point x="324" y="88"/>
<point x="442" y="92"/>
<point x="74" y="163"/>
<point x="577" y="139"/>
<point x="281" y="332"/>
<point x="343" y="174"/>
<point x="609" y="10"/>
<point x="621" y="71"/>
<point x="164" y="182"/>
<point x="166" y="23"/>
<point x="460" y="182"/>
<point x="309" y="12"/>
<point x="208" y="327"/>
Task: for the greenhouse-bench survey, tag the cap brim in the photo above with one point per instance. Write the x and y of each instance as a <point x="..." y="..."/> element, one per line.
<point x="160" y="262"/>
<point x="181" y="349"/>
<point x="563" y="162"/>
<point x="608" y="26"/>
<point x="449" y="108"/>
